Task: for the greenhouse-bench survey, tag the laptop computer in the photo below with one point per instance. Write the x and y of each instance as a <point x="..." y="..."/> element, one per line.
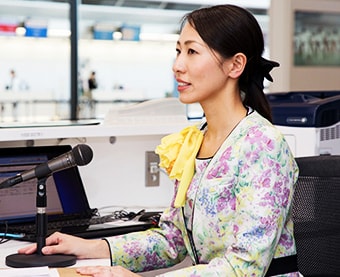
<point x="67" y="208"/>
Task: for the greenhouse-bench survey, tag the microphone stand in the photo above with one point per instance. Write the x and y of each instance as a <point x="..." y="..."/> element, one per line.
<point x="39" y="259"/>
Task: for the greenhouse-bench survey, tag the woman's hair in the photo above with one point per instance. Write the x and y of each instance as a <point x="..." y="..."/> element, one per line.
<point x="228" y="29"/>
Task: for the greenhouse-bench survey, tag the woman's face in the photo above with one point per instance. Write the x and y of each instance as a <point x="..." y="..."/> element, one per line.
<point x="198" y="70"/>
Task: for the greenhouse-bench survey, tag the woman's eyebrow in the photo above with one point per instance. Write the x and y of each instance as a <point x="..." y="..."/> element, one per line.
<point x="187" y="42"/>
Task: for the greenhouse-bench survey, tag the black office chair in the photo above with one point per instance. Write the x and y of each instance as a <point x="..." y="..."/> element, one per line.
<point x="316" y="216"/>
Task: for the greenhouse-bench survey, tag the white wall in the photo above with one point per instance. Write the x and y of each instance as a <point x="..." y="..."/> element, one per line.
<point x="116" y="176"/>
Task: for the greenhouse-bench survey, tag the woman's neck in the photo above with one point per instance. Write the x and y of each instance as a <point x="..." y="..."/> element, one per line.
<point x="221" y="121"/>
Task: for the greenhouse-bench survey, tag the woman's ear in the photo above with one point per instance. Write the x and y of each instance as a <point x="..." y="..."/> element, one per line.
<point x="236" y="65"/>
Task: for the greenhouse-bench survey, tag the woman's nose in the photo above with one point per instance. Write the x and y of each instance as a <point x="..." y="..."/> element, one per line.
<point x="178" y="65"/>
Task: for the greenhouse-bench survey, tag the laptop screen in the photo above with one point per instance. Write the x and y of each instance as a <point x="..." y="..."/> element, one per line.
<point x="65" y="190"/>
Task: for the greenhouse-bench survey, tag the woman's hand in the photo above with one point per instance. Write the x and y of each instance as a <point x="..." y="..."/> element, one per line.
<point x="59" y="243"/>
<point x="106" y="271"/>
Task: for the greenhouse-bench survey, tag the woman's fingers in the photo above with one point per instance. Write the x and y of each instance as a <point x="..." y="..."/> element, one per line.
<point x="96" y="271"/>
<point x="59" y="243"/>
<point x="30" y="249"/>
<point x="106" y="271"/>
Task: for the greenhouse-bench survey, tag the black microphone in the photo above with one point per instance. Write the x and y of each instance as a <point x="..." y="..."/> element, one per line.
<point x="80" y="155"/>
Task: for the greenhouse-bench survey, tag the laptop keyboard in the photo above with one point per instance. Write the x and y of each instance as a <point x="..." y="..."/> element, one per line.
<point x="93" y="227"/>
<point x="57" y="225"/>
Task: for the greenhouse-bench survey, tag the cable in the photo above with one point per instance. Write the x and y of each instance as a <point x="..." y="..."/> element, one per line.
<point x="12" y="236"/>
<point x="5" y="236"/>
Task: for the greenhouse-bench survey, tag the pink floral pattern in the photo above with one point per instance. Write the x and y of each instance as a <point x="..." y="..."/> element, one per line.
<point x="238" y="207"/>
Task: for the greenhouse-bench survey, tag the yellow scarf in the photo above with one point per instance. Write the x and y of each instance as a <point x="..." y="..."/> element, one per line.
<point x="177" y="154"/>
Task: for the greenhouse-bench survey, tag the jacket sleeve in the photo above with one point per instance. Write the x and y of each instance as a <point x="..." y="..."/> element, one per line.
<point x="152" y="249"/>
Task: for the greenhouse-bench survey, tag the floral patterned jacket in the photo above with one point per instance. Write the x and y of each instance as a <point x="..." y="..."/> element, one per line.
<point x="238" y="208"/>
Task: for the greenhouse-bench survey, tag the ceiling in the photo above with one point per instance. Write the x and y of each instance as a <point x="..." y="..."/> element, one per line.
<point x="143" y="12"/>
<point x="135" y="10"/>
<point x="184" y="5"/>
<point x="167" y="5"/>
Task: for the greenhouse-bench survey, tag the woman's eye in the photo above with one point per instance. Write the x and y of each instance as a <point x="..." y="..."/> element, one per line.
<point x="191" y="51"/>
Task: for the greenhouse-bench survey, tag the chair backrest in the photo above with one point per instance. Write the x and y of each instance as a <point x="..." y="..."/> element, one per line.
<point x="316" y="215"/>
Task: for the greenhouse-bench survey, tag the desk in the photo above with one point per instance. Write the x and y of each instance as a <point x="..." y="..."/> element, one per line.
<point x="68" y="272"/>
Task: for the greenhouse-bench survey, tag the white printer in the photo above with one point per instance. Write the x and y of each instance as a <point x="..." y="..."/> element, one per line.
<point x="309" y="120"/>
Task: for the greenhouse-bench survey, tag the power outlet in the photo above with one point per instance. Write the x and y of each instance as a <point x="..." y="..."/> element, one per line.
<point x="151" y="169"/>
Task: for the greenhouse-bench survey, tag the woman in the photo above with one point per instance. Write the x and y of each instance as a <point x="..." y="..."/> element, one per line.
<point x="234" y="175"/>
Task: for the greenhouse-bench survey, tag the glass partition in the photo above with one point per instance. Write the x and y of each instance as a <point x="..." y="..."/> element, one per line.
<point x="124" y="56"/>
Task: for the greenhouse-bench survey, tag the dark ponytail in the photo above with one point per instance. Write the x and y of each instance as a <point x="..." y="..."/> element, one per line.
<point x="251" y="82"/>
<point x="228" y="29"/>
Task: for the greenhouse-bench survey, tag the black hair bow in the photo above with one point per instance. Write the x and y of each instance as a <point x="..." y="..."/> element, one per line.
<point x="265" y="66"/>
